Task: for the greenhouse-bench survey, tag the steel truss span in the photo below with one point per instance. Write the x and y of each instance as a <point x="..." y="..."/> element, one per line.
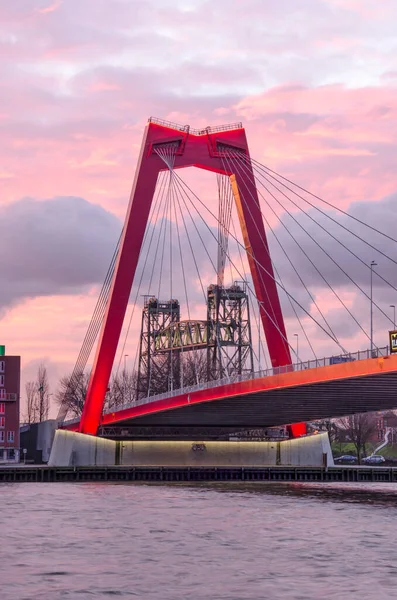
<point x="205" y="149"/>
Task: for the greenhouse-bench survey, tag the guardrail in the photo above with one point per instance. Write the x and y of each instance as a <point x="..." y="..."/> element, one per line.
<point x="188" y="129"/>
<point x="299" y="366"/>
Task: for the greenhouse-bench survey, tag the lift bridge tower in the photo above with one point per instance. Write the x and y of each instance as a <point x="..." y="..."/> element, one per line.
<point x="175" y="353"/>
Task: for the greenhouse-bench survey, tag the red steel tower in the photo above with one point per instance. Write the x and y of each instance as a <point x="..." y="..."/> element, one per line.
<point x="193" y="148"/>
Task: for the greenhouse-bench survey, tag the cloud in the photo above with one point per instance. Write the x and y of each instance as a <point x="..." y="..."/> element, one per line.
<point x="51" y="7"/>
<point x="55" y="246"/>
<point x="312" y="80"/>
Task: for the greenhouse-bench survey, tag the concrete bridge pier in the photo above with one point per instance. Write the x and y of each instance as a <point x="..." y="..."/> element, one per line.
<point x="77" y="449"/>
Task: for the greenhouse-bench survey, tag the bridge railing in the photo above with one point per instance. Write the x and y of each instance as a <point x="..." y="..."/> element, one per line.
<point x="299" y="366"/>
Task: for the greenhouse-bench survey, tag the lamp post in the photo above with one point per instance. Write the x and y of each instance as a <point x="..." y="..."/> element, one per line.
<point x="297" y="346"/>
<point x="373" y="264"/>
<point x="394" y="315"/>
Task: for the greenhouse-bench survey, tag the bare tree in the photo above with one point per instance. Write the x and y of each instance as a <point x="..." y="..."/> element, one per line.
<point x="359" y="429"/>
<point x="193" y="368"/>
<point x="330" y="426"/>
<point x="72" y="392"/>
<point x="43" y="400"/>
<point x="31" y="402"/>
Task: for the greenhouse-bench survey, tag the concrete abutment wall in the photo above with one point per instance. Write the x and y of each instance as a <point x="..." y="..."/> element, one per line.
<point x="77" y="449"/>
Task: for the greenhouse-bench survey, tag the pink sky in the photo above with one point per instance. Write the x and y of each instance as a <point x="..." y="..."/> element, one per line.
<point x="314" y="82"/>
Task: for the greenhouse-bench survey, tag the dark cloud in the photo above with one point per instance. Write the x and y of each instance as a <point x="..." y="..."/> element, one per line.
<point x="55" y="246"/>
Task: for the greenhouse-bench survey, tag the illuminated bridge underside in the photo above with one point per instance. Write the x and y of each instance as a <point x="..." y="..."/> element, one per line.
<point x="332" y="391"/>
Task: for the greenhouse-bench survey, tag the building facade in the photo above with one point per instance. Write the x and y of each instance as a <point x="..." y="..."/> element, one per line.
<point x="10" y="376"/>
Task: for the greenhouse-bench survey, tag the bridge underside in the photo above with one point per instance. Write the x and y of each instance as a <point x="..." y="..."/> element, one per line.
<point x="365" y="386"/>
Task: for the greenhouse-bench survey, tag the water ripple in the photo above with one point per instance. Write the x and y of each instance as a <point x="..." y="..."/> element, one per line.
<point x="217" y="542"/>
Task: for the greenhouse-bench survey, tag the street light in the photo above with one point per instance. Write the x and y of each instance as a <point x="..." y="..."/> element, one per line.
<point x="394" y="315"/>
<point x="373" y="264"/>
<point x="297" y="346"/>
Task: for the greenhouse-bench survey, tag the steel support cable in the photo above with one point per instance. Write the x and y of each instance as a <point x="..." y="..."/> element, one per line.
<point x="325" y="252"/>
<point x="88" y="342"/>
<point x="328" y="204"/>
<point x="334" y="220"/>
<point x="227" y="168"/>
<point x="157" y="206"/>
<point x="301" y="281"/>
<point x="314" y="265"/>
<point x="90" y="336"/>
<point x="143" y="243"/>
<point x="253" y="301"/>
<point x="99" y="310"/>
<point x="237" y="270"/>
<point x="164" y="173"/>
<point x="167" y="199"/>
<point x="317" y="243"/>
<point x="167" y="154"/>
<point x="336" y="239"/>
<point x="254" y="304"/>
<point x="191" y="249"/>
<point x="334" y="337"/>
<point x="224" y="221"/>
<point x="179" y="189"/>
<point x="331" y="235"/>
<point x="180" y="181"/>
<point x="288" y="257"/>
<point x="183" y="277"/>
<point x="278" y="273"/>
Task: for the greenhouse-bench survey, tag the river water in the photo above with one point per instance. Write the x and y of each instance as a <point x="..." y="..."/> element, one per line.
<point x="216" y="542"/>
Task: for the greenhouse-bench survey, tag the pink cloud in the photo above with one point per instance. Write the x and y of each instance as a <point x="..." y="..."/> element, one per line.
<point x="50" y="8"/>
<point x="314" y="87"/>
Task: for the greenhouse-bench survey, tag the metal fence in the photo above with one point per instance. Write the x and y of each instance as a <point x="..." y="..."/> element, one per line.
<point x="188" y="129"/>
<point x="299" y="366"/>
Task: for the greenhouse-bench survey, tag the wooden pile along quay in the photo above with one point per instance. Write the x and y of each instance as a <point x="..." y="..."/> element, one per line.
<point x="43" y="473"/>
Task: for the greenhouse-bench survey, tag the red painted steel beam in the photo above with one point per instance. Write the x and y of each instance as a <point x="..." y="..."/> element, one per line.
<point x="200" y="151"/>
<point x="285" y="380"/>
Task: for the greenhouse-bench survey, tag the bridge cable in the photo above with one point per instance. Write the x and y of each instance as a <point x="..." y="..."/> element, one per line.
<point x="184" y="185"/>
<point x="278" y="274"/>
<point x="327" y="253"/>
<point x="288" y="257"/>
<point x="157" y="207"/>
<point x="328" y="204"/>
<point x="254" y="304"/>
<point x="333" y="237"/>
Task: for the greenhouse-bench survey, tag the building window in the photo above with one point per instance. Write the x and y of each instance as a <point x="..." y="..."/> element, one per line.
<point x="10" y="436"/>
<point x="1" y="437"/>
<point x="2" y="408"/>
<point x="2" y="422"/>
<point x="1" y="380"/>
<point x="2" y="366"/>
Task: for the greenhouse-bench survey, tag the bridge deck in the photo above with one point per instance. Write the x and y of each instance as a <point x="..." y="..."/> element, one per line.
<point x="329" y="391"/>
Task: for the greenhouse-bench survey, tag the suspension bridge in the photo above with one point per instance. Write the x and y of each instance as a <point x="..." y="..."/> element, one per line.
<point x="211" y="295"/>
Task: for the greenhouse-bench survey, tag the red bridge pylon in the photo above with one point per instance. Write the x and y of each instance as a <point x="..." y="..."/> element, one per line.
<point x="203" y="149"/>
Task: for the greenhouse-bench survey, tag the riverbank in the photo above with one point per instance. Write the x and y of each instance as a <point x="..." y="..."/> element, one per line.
<point x="39" y="473"/>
